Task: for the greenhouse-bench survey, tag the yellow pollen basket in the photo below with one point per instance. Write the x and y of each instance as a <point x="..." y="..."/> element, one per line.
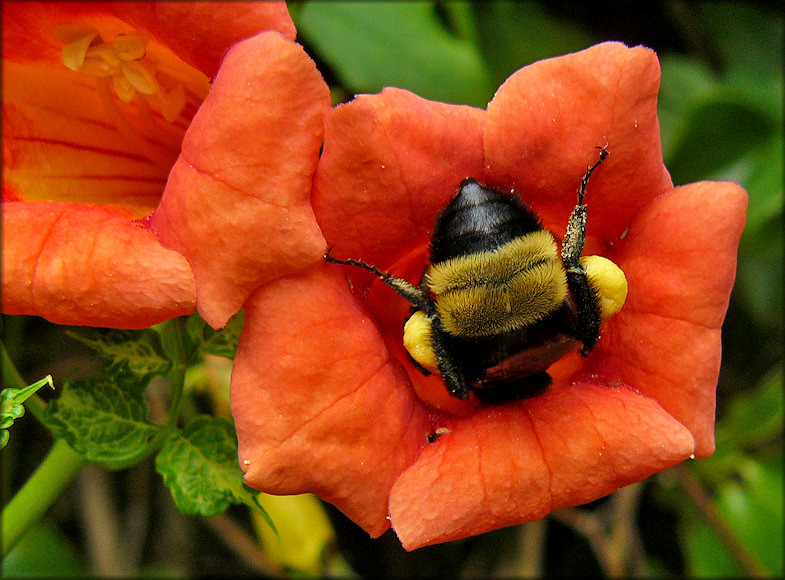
<point x="418" y="341"/>
<point x="608" y="281"/>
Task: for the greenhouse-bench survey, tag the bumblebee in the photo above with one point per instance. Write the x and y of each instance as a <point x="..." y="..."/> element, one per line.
<point x="496" y="306"/>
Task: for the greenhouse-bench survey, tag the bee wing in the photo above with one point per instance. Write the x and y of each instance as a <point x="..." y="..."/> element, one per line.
<point x="534" y="359"/>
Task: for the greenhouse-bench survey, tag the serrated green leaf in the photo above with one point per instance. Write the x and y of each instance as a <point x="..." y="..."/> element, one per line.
<point x="103" y="417"/>
<point x="11" y="405"/>
<point x="139" y="351"/>
<point x="370" y="45"/>
<point x="199" y="466"/>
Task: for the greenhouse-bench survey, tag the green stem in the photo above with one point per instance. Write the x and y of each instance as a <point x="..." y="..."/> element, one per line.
<point x="49" y="480"/>
<point x="39" y="492"/>
<point x="172" y="341"/>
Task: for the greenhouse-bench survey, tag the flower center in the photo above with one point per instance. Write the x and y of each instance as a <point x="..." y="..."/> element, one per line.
<point x="124" y="62"/>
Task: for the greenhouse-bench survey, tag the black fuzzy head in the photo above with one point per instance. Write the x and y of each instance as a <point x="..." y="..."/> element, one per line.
<point x="479" y="220"/>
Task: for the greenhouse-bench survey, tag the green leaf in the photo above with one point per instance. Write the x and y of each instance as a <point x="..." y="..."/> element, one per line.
<point x="705" y="554"/>
<point x="754" y="418"/>
<point x="764" y="183"/>
<point x="11" y="401"/>
<point x="710" y="121"/>
<point x="751" y="421"/>
<point x="759" y="279"/>
<point x="103" y="417"/>
<point x="139" y="351"/>
<point x="715" y="134"/>
<point x="750" y="38"/>
<point x="506" y="50"/>
<point x="751" y="505"/>
<point x="216" y="342"/>
<point x="370" y="45"/>
<point x="685" y="83"/>
<point x="199" y="466"/>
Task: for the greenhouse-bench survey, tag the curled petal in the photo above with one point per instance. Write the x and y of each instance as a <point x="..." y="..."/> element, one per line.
<point x="318" y="403"/>
<point x="390" y="162"/>
<point x="61" y="261"/>
<point x="679" y="257"/>
<point x="515" y="463"/>
<point x="237" y="202"/>
<point x="546" y="120"/>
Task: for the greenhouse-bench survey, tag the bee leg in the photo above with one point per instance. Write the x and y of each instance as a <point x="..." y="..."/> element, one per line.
<point x="414" y="295"/>
<point x="587" y="308"/>
<point x="451" y="372"/>
<point x="585" y="180"/>
<point x="584" y="297"/>
<point x="572" y="248"/>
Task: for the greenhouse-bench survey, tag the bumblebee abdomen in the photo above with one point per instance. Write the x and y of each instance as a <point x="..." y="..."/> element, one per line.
<point x="499" y="291"/>
<point x="510" y="356"/>
<point x="479" y="220"/>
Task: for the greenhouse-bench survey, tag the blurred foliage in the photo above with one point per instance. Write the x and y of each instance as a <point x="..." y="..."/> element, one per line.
<point x="721" y="115"/>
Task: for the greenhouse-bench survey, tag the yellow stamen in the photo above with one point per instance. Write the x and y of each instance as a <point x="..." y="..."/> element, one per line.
<point x="140" y="78"/>
<point x="74" y="54"/>
<point x="125" y="61"/>
<point x="123" y="88"/>
<point x="129" y="47"/>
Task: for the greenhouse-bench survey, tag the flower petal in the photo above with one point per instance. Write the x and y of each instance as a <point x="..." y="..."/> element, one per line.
<point x="200" y="32"/>
<point x="237" y="203"/>
<point x="679" y="257"/>
<point x="61" y="261"/>
<point x="391" y="161"/>
<point x="546" y="120"/>
<point x="318" y="403"/>
<point x="517" y="462"/>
